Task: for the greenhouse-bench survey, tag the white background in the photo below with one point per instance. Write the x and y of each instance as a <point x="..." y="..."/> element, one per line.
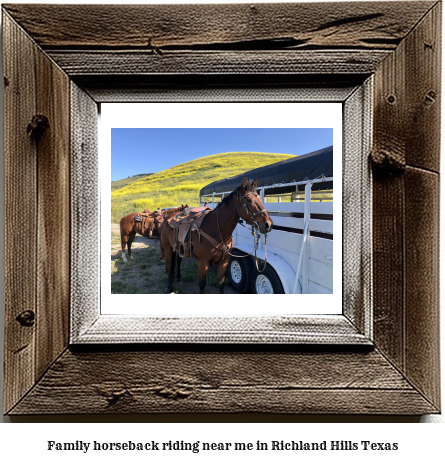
<point x="224" y="115"/>
<point x="26" y="443"/>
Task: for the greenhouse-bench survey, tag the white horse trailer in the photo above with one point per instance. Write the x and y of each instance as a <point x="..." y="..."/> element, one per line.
<point x="298" y="195"/>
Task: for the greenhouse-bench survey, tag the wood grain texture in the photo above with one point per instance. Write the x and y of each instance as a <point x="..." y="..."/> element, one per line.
<point x="53" y="229"/>
<point x="423" y="91"/>
<point x="85" y="211"/>
<point x="422" y="323"/>
<point x="388" y="271"/>
<point x="153" y="27"/>
<point x="357" y="208"/>
<point x="109" y="329"/>
<point x="408" y="97"/>
<point x="223" y="382"/>
<point x="407" y="134"/>
<point x="224" y="39"/>
<point x="20" y="212"/>
<point x="130" y="63"/>
<point x="218" y="88"/>
<point x="388" y="201"/>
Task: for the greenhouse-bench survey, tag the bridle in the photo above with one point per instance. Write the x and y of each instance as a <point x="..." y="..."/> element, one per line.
<point x="243" y="204"/>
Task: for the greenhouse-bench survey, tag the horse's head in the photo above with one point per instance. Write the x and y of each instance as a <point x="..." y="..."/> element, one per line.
<point x="251" y="208"/>
<point x="158" y="220"/>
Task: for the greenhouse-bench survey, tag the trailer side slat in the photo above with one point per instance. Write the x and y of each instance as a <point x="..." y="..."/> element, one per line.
<point x="298" y="223"/>
<point x="315" y="288"/>
<point x="319" y="248"/>
<point x="298" y="207"/>
<point x="320" y="273"/>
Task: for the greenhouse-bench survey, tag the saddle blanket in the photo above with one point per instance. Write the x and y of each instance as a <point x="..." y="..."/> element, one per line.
<point x="140" y="216"/>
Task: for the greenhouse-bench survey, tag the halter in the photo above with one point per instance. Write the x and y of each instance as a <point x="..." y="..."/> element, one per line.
<point x="243" y="204"/>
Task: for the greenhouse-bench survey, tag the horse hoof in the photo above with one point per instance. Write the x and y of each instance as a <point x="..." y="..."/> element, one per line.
<point x="131" y="258"/>
<point x="124" y="259"/>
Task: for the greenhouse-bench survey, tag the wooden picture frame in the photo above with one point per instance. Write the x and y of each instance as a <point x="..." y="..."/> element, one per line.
<point x="57" y="70"/>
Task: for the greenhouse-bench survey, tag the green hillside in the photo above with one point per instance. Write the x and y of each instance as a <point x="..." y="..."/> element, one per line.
<point x="181" y="184"/>
<point x="123" y="182"/>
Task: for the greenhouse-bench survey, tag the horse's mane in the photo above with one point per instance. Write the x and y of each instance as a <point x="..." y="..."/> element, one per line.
<point x="175" y="209"/>
<point x="228" y="199"/>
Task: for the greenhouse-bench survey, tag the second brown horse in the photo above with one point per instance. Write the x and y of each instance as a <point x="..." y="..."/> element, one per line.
<point x="129" y="228"/>
<point x="219" y="224"/>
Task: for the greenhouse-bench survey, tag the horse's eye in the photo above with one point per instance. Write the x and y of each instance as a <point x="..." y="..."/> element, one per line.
<point x="248" y="200"/>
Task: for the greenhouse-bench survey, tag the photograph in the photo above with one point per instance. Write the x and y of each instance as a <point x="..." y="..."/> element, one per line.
<point x="219" y="220"/>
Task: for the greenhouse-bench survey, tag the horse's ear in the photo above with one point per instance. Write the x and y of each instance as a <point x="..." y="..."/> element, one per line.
<point x="254" y="183"/>
<point x="244" y="184"/>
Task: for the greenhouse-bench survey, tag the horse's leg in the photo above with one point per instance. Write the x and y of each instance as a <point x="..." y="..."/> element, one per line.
<point x="130" y="241"/>
<point x="124" y="239"/>
<point x="178" y="271"/>
<point x="150" y="230"/>
<point x="221" y="269"/>
<point x="169" y="256"/>
<point x="203" y="266"/>
<point x="170" y="260"/>
<point x="161" y="245"/>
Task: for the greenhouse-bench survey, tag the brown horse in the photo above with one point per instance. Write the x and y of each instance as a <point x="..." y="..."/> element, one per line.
<point x="129" y="228"/>
<point x="219" y="224"/>
<point x="161" y="218"/>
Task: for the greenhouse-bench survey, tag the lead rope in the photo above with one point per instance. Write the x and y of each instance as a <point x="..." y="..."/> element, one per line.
<point x="265" y="253"/>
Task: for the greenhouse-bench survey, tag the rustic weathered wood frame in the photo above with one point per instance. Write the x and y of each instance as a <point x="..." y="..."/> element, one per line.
<point x="87" y="54"/>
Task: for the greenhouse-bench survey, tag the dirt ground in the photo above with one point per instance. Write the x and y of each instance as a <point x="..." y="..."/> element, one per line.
<point x="146" y="274"/>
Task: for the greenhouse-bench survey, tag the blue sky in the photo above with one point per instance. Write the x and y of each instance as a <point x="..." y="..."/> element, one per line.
<point x="147" y="150"/>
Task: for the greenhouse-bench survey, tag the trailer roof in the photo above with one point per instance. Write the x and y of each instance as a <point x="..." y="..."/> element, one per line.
<point x="310" y="166"/>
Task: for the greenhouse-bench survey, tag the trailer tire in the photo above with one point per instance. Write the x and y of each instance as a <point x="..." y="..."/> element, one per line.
<point x="240" y="269"/>
<point x="266" y="282"/>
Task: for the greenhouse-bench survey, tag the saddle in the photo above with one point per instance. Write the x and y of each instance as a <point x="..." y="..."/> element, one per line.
<point x="143" y="218"/>
<point x="190" y="219"/>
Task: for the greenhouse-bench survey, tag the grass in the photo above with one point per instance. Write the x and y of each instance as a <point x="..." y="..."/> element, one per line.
<point x="181" y="184"/>
<point x="117" y="287"/>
